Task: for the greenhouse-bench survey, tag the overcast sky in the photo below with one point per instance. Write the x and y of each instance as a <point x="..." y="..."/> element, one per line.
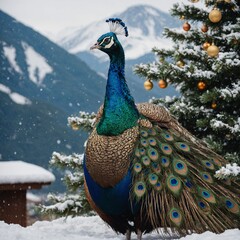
<point x="51" y="16"/>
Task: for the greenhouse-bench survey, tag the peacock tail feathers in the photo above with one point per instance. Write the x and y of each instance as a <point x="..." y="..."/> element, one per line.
<point x="173" y="181"/>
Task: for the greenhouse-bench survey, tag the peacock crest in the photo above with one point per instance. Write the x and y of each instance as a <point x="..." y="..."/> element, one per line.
<point x="117" y="26"/>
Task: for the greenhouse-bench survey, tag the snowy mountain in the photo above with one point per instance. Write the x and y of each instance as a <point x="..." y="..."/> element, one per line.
<point x="145" y="24"/>
<point x="41" y="84"/>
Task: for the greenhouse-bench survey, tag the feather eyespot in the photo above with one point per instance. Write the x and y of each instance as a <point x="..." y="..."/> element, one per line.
<point x="139" y="189"/>
<point x="176" y="217"/>
<point x="231" y="205"/>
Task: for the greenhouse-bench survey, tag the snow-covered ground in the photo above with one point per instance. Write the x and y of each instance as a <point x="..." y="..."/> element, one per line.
<point x="87" y="228"/>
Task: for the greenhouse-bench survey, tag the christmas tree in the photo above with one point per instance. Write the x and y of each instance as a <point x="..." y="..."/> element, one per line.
<point x="204" y="65"/>
<point x="73" y="202"/>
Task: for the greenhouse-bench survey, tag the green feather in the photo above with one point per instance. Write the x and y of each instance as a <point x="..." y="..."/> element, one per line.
<point x="153" y="154"/>
<point x="152" y="178"/>
<point x="208" y="164"/>
<point x="207" y="177"/>
<point x="152" y="141"/>
<point x="204" y="206"/>
<point x="165" y="161"/>
<point x="167" y="136"/>
<point x="180" y="167"/>
<point x="156" y="167"/>
<point x="145" y="160"/>
<point x="158" y="186"/>
<point x="182" y="146"/>
<point x="137" y="167"/>
<point x="231" y="205"/>
<point x="207" y="195"/>
<point x="174" y="184"/>
<point x="144" y="133"/>
<point x="139" y="189"/>
<point x="176" y="216"/>
<point x="144" y="142"/>
<point x="166" y="148"/>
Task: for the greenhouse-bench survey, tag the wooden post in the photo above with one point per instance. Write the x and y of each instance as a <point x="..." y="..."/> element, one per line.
<point x="13" y="207"/>
<point x="16" y="177"/>
<point x="13" y="202"/>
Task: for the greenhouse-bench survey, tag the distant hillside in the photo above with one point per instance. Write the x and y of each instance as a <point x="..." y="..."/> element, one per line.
<point x="40" y="86"/>
<point x="145" y="24"/>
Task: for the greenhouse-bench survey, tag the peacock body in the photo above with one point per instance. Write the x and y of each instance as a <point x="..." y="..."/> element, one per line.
<point x="144" y="171"/>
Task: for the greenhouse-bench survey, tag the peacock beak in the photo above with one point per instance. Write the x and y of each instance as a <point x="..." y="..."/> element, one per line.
<point x="95" y="46"/>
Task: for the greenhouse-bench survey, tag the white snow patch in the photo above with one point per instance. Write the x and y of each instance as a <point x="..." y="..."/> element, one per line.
<point x="33" y="197"/>
<point x="228" y="171"/>
<point x="10" y="53"/>
<point x="22" y="172"/>
<point x="38" y="67"/>
<point x="15" y="97"/>
<point x="87" y="228"/>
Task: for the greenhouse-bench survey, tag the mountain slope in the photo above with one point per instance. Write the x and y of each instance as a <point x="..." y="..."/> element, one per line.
<point x="145" y="25"/>
<point x="41" y="84"/>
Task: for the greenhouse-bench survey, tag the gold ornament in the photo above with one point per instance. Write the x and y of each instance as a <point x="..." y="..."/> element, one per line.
<point x="227" y="1"/>
<point x="212" y="50"/>
<point x="180" y="63"/>
<point x="162" y="83"/>
<point x="186" y="26"/>
<point x="204" y="28"/>
<point x="201" y="85"/>
<point x="214" y="105"/>
<point x="206" y="45"/>
<point x="182" y="17"/>
<point x="193" y="1"/>
<point x="75" y="126"/>
<point x="161" y="59"/>
<point x="215" y="15"/>
<point x="148" y="85"/>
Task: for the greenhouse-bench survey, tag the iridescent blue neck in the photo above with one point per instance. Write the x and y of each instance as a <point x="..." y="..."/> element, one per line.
<point x="120" y="112"/>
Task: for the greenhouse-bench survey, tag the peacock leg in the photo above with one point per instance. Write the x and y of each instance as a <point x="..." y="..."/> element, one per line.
<point x="139" y="234"/>
<point x="128" y="235"/>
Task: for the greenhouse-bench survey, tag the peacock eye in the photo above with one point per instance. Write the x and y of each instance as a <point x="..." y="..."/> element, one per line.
<point x="106" y="40"/>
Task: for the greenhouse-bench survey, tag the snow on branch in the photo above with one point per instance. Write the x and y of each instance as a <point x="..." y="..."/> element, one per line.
<point x="231" y="170"/>
<point x="85" y="121"/>
<point x="220" y="124"/>
<point x="73" y="161"/>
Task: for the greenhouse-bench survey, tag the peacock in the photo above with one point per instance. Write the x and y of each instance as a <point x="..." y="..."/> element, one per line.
<point x="143" y="171"/>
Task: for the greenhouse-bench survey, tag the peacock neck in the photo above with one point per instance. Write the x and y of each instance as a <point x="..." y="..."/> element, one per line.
<point x="120" y="112"/>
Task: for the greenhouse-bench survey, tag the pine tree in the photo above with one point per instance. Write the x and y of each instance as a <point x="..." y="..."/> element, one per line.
<point x="73" y="202"/>
<point x="204" y="65"/>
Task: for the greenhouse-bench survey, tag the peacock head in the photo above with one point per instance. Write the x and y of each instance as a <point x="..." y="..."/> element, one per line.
<point x="108" y="42"/>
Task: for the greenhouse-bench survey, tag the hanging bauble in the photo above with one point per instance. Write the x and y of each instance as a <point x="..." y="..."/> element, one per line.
<point x="212" y="50"/>
<point x="227" y="1"/>
<point x="206" y="45"/>
<point x="193" y="1"/>
<point x="180" y="63"/>
<point x="201" y="85"/>
<point x="186" y="26"/>
<point x="204" y="28"/>
<point x="161" y="59"/>
<point x="228" y="136"/>
<point x="148" y="85"/>
<point x="215" y="15"/>
<point x="162" y="83"/>
<point x="182" y="17"/>
<point x="75" y="126"/>
<point x="214" y="105"/>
